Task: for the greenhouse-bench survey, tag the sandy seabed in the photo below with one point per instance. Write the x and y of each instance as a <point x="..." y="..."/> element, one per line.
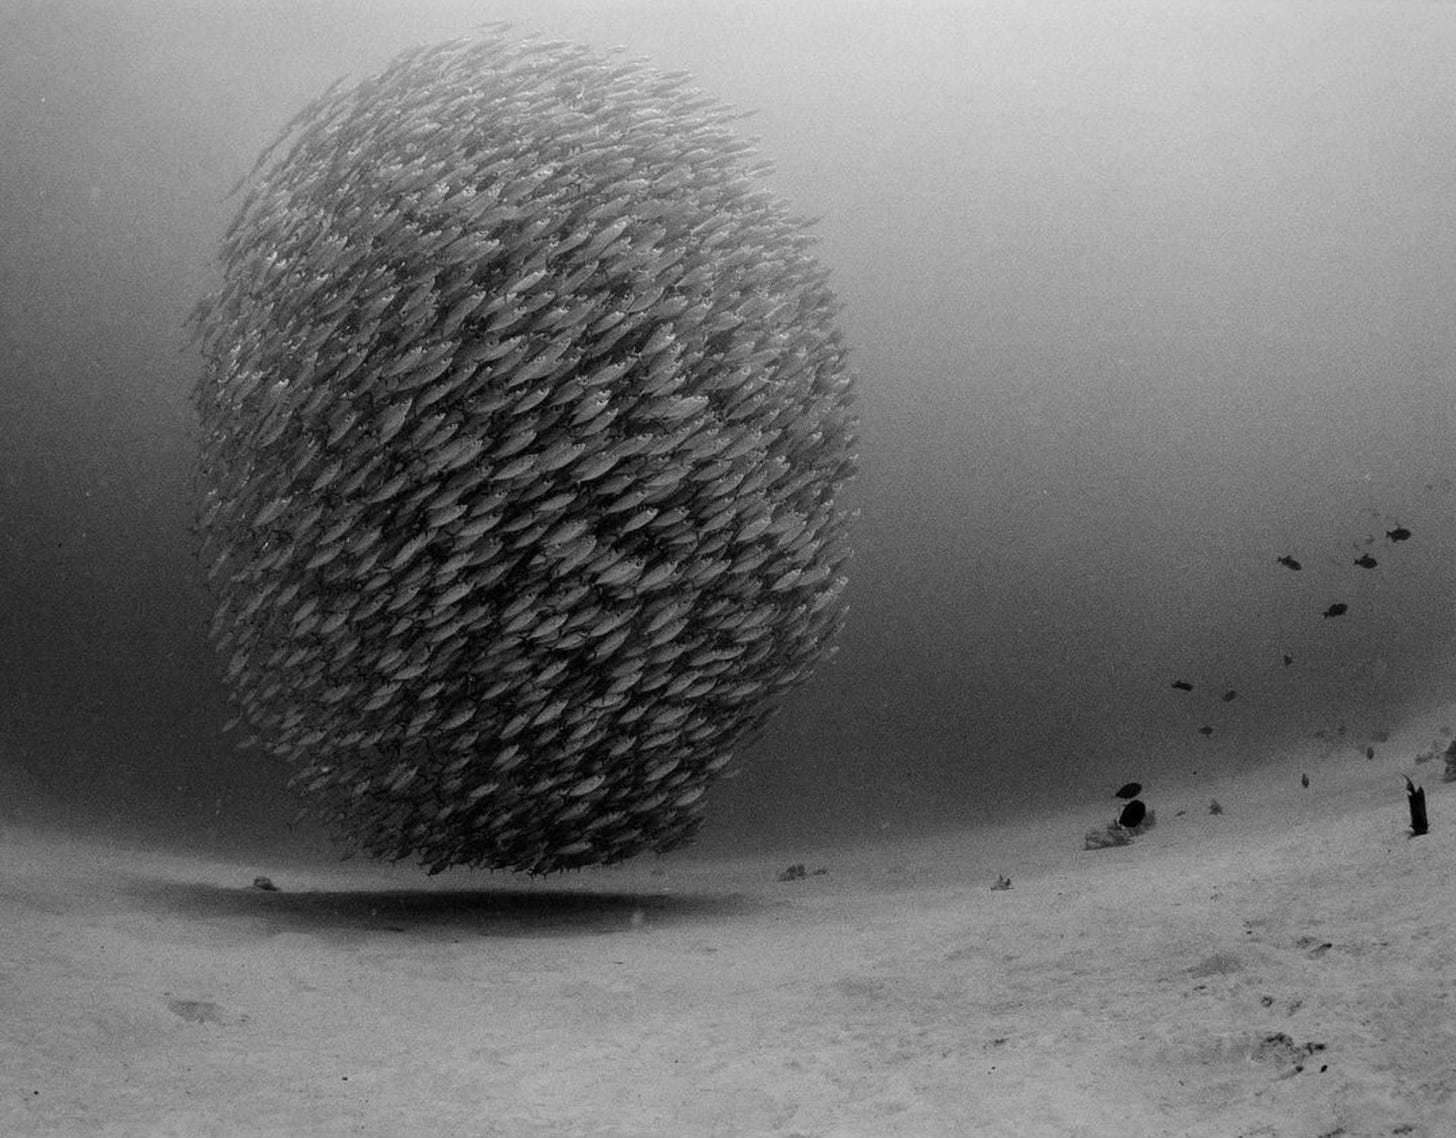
<point x="1282" y="969"/>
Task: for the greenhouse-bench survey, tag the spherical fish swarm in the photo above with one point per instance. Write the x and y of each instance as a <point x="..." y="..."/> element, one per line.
<point x="523" y="416"/>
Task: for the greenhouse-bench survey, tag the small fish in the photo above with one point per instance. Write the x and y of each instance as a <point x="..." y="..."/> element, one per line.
<point x="1399" y="533"/>
<point x="1128" y="790"/>
<point x="1182" y="685"/>
<point x="1365" y="561"/>
<point x="1289" y="563"/>
<point x="1369" y="752"/>
<point x="1304" y="781"/>
<point x="1229" y="696"/>
<point x="1336" y="609"/>
<point x="1205" y="731"/>
<point x="1288" y="659"/>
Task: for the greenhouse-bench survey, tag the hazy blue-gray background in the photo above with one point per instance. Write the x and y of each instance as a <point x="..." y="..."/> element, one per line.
<point x="1141" y="296"/>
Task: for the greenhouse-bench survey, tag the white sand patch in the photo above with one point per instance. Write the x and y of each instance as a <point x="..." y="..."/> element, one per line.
<point x="1284" y="969"/>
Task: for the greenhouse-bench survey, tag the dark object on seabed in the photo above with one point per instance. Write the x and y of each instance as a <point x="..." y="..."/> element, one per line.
<point x="1304" y="781"/>
<point x="265" y="884"/>
<point x="1182" y="685"/>
<point x="1339" y="608"/>
<point x="1289" y="562"/>
<point x="1128" y="790"/>
<point x="1132" y="815"/>
<point x="1214" y="807"/>
<point x="1003" y="883"/>
<point x="1417" y="798"/>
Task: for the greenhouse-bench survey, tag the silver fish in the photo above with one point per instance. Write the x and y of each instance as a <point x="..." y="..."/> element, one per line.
<point x="504" y="447"/>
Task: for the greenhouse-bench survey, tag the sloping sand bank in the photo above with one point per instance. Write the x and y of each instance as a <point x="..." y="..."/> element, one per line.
<point x="1283" y="969"/>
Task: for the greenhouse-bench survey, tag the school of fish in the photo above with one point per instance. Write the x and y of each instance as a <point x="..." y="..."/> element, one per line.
<point x="524" y="415"/>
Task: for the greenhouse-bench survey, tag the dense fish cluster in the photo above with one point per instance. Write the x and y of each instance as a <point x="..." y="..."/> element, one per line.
<point x="523" y="416"/>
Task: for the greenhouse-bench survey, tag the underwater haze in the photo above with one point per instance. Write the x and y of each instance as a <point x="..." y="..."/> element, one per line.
<point x="1141" y="298"/>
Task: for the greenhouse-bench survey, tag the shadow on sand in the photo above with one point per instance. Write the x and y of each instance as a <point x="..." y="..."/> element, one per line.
<point x="523" y="911"/>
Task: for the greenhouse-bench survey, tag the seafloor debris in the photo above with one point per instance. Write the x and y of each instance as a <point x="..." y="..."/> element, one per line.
<point x="1281" y="1050"/>
<point x="1117" y="834"/>
<point x="265" y="884"/>
<point x="1109" y="835"/>
<point x="1003" y="883"/>
<point x="204" y="1011"/>
<point x="1214" y="807"/>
